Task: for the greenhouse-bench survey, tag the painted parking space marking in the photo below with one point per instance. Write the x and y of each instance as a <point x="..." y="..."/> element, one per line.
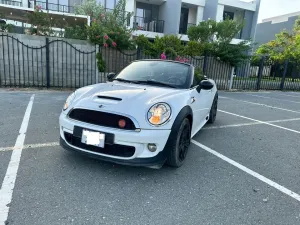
<point x="29" y="146"/>
<point x="255" y="103"/>
<point x="249" y="124"/>
<point x="9" y="180"/>
<point x="262" y="122"/>
<point x="259" y="96"/>
<point x="249" y="171"/>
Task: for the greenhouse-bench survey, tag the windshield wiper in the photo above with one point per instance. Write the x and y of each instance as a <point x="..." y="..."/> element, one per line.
<point x="126" y="81"/>
<point x="156" y="82"/>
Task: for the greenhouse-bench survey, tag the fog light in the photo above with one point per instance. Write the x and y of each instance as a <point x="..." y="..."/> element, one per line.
<point x="152" y="147"/>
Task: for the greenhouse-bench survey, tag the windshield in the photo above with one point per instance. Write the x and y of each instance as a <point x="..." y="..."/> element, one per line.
<point x="157" y="73"/>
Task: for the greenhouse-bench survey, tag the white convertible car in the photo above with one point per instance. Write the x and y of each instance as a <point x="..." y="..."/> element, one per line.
<point x="145" y="115"/>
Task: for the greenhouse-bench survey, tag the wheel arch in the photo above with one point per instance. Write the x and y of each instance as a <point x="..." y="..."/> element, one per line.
<point x="185" y="112"/>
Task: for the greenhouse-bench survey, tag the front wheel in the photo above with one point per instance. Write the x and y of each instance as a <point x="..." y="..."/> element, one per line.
<point x="178" y="145"/>
<point x="213" y="110"/>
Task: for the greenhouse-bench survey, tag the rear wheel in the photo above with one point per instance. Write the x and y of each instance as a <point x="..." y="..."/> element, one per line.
<point x="213" y="110"/>
<point x="178" y="144"/>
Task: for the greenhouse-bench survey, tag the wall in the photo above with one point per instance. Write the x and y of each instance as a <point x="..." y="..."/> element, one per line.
<point x="200" y="12"/>
<point x="265" y="32"/>
<point x="239" y="4"/>
<point x="210" y="10"/>
<point x="170" y="12"/>
<point x="192" y="15"/>
<point x="220" y="12"/>
<point x="246" y="33"/>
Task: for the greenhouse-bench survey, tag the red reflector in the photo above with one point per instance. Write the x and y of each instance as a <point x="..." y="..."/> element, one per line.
<point x="122" y="123"/>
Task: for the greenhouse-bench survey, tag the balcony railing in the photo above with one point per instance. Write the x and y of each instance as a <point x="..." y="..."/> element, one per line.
<point x="13" y="3"/>
<point x="55" y="7"/>
<point x="146" y="24"/>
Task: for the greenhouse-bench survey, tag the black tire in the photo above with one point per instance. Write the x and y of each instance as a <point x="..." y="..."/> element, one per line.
<point x="213" y="110"/>
<point x="178" y="144"/>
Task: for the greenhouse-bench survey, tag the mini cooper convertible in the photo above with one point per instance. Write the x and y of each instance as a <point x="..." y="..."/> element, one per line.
<point x="145" y="115"/>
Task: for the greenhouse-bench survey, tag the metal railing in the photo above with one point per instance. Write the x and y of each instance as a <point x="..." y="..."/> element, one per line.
<point x="147" y="24"/>
<point x="54" y="7"/>
<point x="13" y="3"/>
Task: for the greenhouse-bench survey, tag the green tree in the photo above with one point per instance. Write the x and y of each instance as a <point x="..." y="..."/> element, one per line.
<point x="108" y="28"/>
<point x="41" y="22"/>
<point x="214" y="38"/>
<point x="171" y="45"/>
<point x="285" y="46"/>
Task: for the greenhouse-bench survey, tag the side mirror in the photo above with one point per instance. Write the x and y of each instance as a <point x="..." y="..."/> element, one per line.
<point x="205" y="85"/>
<point x="111" y="76"/>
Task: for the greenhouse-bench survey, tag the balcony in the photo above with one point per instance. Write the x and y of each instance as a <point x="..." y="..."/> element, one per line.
<point x="54" y="7"/>
<point x="146" y="24"/>
<point x="13" y="3"/>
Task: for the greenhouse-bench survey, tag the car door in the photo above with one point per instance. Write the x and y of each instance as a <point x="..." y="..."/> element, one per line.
<point x="200" y="104"/>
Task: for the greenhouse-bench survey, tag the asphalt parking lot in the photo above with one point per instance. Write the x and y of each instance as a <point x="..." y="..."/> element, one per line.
<point x="244" y="169"/>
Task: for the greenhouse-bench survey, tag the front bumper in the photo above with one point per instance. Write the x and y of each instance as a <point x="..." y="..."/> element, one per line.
<point x="133" y="139"/>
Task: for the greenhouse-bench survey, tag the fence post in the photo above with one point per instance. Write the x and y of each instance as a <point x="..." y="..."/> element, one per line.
<point x="97" y="71"/>
<point x="231" y="78"/>
<point x="260" y="71"/>
<point x="47" y="62"/>
<point x="138" y="53"/>
<point x="283" y="75"/>
<point x="205" y="63"/>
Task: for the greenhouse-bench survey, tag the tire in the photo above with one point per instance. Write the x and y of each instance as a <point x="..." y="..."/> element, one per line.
<point x="213" y="110"/>
<point x="178" y="144"/>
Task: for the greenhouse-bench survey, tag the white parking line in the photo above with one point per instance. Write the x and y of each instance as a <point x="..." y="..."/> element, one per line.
<point x="255" y="103"/>
<point x="294" y="96"/>
<point x="262" y="122"/>
<point x="273" y="98"/>
<point x="247" y="124"/>
<point x="39" y="145"/>
<point x="249" y="171"/>
<point x="8" y="184"/>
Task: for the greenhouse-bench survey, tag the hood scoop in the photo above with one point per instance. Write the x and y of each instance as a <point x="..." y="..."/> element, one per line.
<point x="109" y="98"/>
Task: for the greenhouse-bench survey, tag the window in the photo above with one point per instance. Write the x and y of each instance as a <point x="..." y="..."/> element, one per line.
<point x="110" y="4"/>
<point x="172" y="73"/>
<point x="230" y="15"/>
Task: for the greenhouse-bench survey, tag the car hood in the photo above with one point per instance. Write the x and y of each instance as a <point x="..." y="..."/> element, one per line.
<point x="133" y="100"/>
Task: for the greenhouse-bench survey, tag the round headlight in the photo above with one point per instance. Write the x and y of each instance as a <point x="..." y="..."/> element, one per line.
<point x="159" y="113"/>
<point x="69" y="101"/>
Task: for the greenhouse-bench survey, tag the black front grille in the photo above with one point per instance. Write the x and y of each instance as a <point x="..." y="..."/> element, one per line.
<point x="101" y="118"/>
<point x="114" y="150"/>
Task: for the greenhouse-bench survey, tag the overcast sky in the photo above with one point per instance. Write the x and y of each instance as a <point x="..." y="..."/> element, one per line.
<point x="270" y="8"/>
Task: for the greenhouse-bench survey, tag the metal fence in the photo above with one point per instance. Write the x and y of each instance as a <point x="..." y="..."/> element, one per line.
<point x="267" y="75"/>
<point x="56" y="64"/>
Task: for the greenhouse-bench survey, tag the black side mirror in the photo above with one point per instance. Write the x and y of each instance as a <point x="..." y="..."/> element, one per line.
<point x="111" y="76"/>
<point x="205" y="85"/>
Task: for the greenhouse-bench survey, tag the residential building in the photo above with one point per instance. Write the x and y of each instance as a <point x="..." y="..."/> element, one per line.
<point x="160" y="17"/>
<point x="268" y="28"/>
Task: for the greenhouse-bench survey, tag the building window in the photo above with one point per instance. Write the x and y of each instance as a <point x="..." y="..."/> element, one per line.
<point x="110" y="4"/>
<point x="229" y="15"/>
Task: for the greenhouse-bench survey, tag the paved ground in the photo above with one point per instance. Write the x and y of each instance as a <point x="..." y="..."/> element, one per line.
<point x="246" y="170"/>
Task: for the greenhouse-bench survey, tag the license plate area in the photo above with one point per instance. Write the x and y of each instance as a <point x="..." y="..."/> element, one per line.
<point x="108" y="137"/>
<point x="93" y="138"/>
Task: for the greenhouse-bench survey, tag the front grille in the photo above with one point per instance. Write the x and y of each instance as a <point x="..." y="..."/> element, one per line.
<point x="101" y="118"/>
<point x="114" y="150"/>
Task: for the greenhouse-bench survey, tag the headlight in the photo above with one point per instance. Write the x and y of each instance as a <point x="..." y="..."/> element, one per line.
<point x="159" y="113"/>
<point x="69" y="101"/>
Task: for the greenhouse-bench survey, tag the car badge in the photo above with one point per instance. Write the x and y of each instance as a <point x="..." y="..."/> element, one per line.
<point x="101" y="106"/>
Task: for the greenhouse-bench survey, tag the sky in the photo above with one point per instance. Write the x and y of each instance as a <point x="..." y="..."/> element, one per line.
<point x="271" y="8"/>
